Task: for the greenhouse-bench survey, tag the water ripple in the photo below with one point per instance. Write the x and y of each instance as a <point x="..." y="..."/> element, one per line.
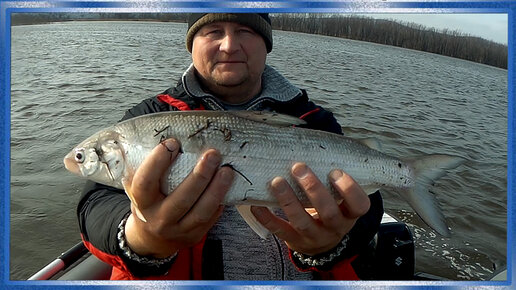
<point x="70" y="79"/>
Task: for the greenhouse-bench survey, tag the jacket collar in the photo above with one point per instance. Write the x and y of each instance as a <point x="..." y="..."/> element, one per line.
<point x="275" y="87"/>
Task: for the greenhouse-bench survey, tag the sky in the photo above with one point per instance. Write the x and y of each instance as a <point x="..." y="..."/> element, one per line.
<point x="489" y="26"/>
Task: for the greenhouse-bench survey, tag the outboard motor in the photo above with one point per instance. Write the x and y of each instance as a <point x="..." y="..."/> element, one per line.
<point x="390" y="256"/>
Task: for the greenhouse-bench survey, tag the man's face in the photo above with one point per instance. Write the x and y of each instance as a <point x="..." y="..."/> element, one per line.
<point x="229" y="54"/>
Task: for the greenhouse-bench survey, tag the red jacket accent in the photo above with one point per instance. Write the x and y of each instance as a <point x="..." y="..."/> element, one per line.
<point x="112" y="260"/>
<point x="187" y="266"/>
<point x="180" y="105"/>
<point x="309" y="113"/>
<point x="341" y="271"/>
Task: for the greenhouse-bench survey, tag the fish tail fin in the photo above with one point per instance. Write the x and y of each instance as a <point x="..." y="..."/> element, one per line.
<point x="427" y="170"/>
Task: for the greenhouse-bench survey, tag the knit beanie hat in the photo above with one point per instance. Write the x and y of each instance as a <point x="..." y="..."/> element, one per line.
<point x="259" y="22"/>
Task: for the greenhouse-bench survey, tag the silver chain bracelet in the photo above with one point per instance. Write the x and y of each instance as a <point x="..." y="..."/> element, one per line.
<point x="322" y="260"/>
<point x="122" y="243"/>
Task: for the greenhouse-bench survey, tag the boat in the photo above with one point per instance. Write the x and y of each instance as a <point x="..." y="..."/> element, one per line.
<point x="392" y="258"/>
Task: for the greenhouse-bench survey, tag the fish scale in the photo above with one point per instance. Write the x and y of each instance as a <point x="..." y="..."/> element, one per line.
<point x="259" y="146"/>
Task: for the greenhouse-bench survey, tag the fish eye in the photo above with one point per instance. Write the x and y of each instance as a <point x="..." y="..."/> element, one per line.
<point x="79" y="156"/>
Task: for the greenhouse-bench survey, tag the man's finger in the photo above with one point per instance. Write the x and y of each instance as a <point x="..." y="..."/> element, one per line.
<point x="287" y="199"/>
<point x="145" y="186"/>
<point x="355" y="202"/>
<point x="210" y="201"/>
<point x="179" y="202"/>
<point x="277" y="226"/>
<point x="320" y="197"/>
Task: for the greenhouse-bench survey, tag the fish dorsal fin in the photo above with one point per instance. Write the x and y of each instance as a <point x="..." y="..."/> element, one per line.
<point x="373" y="143"/>
<point x="269" y="118"/>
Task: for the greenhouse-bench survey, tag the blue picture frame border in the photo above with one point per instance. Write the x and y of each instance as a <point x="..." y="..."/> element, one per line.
<point x="9" y="7"/>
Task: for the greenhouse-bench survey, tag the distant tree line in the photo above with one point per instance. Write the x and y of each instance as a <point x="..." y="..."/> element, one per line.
<point x="407" y="35"/>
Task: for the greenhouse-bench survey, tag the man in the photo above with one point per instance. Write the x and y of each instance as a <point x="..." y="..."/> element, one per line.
<point x="188" y="234"/>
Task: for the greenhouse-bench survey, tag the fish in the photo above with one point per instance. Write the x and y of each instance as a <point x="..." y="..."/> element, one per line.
<point x="259" y="146"/>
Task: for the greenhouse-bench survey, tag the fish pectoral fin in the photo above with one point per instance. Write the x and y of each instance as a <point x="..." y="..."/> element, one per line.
<point x="269" y="118"/>
<point x="250" y="219"/>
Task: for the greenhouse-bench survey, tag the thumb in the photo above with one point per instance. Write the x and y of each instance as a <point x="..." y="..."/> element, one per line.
<point x="144" y="187"/>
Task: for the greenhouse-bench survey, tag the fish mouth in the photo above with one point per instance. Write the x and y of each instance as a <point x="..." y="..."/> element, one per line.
<point x="70" y="164"/>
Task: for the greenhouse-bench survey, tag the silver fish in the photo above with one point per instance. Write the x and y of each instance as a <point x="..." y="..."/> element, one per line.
<point x="259" y="146"/>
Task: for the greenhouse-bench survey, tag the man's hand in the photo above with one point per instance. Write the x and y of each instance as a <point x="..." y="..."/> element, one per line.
<point x="160" y="225"/>
<point x="322" y="230"/>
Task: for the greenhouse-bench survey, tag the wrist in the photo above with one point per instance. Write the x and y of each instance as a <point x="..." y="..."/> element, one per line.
<point x="141" y="265"/>
<point x="134" y="252"/>
<point x="320" y="261"/>
<point x="135" y="240"/>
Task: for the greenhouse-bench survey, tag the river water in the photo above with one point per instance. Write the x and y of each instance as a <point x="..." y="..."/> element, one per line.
<point x="70" y="79"/>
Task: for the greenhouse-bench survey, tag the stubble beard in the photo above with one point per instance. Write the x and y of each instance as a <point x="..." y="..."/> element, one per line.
<point x="231" y="88"/>
<point x="232" y="91"/>
<point x="222" y="81"/>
